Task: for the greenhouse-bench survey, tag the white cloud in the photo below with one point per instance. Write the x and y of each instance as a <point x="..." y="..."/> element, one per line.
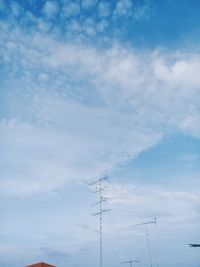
<point x="104" y="9"/>
<point x="103" y="25"/>
<point x="88" y="4"/>
<point x="71" y="9"/>
<point x="191" y="123"/>
<point x="74" y="149"/>
<point x="89" y="27"/>
<point x="143" y="12"/>
<point x="190" y="158"/>
<point x="16" y="9"/>
<point x="84" y="111"/>
<point x="51" y="9"/>
<point x="183" y="71"/>
<point x="44" y="26"/>
<point x="149" y="201"/>
<point x="43" y="77"/>
<point x="123" y="7"/>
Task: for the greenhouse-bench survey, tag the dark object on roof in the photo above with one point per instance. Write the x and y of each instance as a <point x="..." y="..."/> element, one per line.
<point x="40" y="264"/>
<point x="194" y="245"/>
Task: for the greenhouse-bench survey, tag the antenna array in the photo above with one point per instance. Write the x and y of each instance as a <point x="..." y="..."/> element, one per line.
<point x="147" y="236"/>
<point x="100" y="188"/>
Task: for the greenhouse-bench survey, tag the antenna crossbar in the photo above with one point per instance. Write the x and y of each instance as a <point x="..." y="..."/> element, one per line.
<point x="130" y="262"/>
<point x="98" y="202"/>
<point x="100" y="212"/>
<point x="99" y="180"/>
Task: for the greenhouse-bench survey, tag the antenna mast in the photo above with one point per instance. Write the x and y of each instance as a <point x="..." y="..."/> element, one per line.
<point x="99" y="190"/>
<point x="147" y="236"/>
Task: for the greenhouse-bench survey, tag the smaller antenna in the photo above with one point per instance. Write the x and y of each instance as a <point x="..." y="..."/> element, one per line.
<point x="147" y="236"/>
<point x="145" y="223"/>
<point x="130" y="262"/>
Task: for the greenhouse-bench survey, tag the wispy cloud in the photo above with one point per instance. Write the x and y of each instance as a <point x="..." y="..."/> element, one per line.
<point x="58" y="131"/>
<point x="170" y="204"/>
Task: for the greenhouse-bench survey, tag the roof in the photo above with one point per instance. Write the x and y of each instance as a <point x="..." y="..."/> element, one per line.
<point x="41" y="264"/>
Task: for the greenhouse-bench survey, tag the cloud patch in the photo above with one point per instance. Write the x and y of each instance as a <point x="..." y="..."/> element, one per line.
<point x="51" y="9"/>
<point x="88" y="4"/>
<point x="70" y="9"/>
<point x="2" y="5"/>
<point x="83" y="111"/>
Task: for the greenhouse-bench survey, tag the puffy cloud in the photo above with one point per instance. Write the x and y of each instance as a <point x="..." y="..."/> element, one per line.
<point x="44" y="26"/>
<point x="61" y="14"/>
<point x="142" y="12"/>
<point x="88" y="4"/>
<point x="16" y="9"/>
<point x="104" y="9"/>
<point x="51" y="9"/>
<point x="89" y="27"/>
<point x="71" y="9"/>
<point x="184" y="70"/>
<point x="123" y="7"/>
<point x="191" y="123"/>
<point x="103" y="25"/>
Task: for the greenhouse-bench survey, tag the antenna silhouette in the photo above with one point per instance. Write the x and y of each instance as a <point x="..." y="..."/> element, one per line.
<point x="99" y="190"/>
<point x="147" y="236"/>
<point x="130" y="262"/>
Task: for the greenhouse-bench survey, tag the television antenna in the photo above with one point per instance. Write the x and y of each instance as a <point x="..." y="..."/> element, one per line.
<point x="145" y="224"/>
<point x="100" y="188"/>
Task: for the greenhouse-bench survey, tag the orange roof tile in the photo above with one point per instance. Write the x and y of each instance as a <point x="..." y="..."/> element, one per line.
<point x="40" y="264"/>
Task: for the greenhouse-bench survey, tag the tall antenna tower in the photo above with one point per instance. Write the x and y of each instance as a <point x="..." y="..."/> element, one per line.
<point x="100" y="188"/>
<point x="145" y="224"/>
<point x="130" y="262"/>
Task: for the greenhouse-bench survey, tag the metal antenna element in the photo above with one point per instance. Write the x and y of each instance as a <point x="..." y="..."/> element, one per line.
<point x="130" y="262"/>
<point x="150" y="222"/>
<point x="99" y="190"/>
<point x="147" y="236"/>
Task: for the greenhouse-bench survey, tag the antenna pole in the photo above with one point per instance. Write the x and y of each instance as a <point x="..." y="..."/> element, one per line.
<point x="148" y="245"/>
<point x="99" y="190"/>
<point x="100" y="223"/>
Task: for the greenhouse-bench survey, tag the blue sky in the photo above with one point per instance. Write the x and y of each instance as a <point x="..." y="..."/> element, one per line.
<point x="89" y="88"/>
